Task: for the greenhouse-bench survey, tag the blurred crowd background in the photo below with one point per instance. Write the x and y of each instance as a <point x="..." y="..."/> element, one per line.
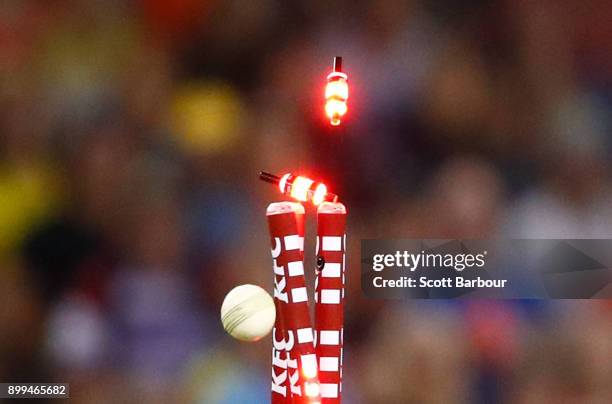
<point x="132" y="132"/>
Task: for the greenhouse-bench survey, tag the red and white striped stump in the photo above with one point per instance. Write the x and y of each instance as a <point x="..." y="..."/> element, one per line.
<point x="329" y="298"/>
<point x="294" y="361"/>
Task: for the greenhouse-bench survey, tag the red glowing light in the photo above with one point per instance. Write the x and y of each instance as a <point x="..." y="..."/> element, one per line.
<point x="319" y="194"/>
<point x="335" y="110"/>
<point x="282" y="184"/>
<point x="336" y="94"/>
<point x="337" y="87"/>
<point x="300" y="188"/>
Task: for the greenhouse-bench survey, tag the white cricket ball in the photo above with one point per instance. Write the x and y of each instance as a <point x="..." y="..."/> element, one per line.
<point x="248" y="313"/>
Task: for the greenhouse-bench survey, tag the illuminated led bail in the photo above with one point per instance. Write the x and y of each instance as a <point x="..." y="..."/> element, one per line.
<point x="336" y="93"/>
<point x="300" y="188"/>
